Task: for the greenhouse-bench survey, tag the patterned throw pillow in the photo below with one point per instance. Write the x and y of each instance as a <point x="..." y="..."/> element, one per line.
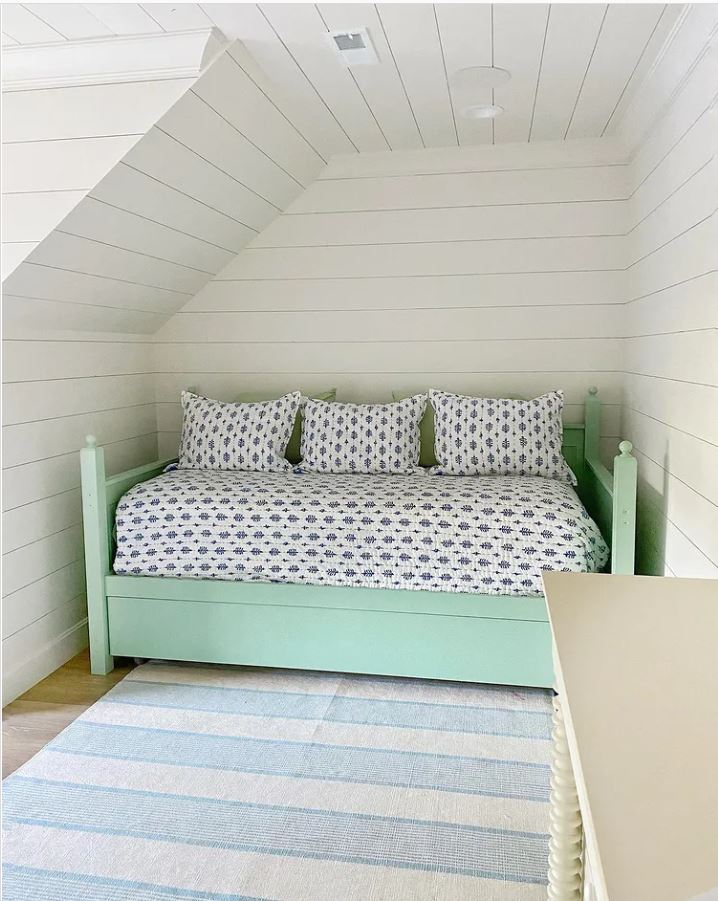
<point x="293" y="451"/>
<point x="362" y="437"/>
<point x="252" y="437"/>
<point x="488" y="436"/>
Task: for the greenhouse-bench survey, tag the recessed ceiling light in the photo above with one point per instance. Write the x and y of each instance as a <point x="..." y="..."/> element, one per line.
<point x="480" y="77"/>
<point x="482" y="111"/>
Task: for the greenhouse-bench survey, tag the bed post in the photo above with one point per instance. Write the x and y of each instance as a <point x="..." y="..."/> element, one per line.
<point x="592" y="416"/>
<point x="625" y="479"/>
<point x="97" y="553"/>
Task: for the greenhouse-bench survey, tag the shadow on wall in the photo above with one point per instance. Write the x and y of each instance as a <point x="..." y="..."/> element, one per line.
<point x="651" y="519"/>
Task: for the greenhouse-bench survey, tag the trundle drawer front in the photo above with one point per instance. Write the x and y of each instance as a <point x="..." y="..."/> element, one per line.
<point x="474" y="649"/>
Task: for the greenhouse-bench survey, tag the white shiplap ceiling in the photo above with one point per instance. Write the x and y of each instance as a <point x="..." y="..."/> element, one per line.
<point x="574" y="66"/>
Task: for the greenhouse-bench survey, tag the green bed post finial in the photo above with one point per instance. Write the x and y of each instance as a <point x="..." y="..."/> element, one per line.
<point x="625" y="482"/>
<point x="90" y="441"/>
<point x="593" y="424"/>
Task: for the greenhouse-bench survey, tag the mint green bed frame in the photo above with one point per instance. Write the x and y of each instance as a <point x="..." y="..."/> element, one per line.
<point x="466" y="637"/>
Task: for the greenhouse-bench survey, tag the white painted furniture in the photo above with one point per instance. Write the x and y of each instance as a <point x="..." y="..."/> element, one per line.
<point x="635" y="766"/>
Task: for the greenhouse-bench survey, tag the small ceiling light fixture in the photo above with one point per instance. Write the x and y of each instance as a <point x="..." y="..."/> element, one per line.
<point x="481" y="77"/>
<point x="482" y="111"/>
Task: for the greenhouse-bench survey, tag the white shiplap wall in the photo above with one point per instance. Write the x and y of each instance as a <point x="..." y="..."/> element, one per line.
<point x="494" y="269"/>
<point x="129" y="242"/>
<point x="58" y="386"/>
<point x="57" y="145"/>
<point x="670" y="407"/>
<point x="205" y="174"/>
<point x="63" y="375"/>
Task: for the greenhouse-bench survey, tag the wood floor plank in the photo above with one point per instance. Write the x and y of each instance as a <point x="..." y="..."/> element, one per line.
<point x="29" y="725"/>
<point x="75" y="686"/>
<point x="36" y="717"/>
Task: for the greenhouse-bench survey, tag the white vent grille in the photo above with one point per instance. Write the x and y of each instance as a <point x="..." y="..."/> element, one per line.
<point x="355" y="47"/>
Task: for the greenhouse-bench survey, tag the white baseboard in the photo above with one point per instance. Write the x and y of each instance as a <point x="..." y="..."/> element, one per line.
<point x="45" y="661"/>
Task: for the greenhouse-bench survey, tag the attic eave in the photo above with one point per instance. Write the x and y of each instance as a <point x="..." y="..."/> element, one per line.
<point x="110" y="60"/>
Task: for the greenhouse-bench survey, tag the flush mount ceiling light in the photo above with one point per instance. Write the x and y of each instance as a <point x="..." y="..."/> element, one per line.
<point x="482" y="111"/>
<point x="481" y="77"/>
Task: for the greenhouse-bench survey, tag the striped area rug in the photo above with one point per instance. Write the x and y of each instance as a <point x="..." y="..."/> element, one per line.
<point x="199" y="782"/>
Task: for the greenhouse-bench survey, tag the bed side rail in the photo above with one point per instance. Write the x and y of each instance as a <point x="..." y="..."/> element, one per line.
<point x="120" y="484"/>
<point x="100" y="496"/>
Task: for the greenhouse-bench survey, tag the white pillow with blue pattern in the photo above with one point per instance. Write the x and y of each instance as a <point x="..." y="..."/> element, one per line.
<point x="498" y="436"/>
<point x="362" y="438"/>
<point x="247" y="436"/>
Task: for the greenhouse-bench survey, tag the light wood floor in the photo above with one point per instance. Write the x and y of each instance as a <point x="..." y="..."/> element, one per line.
<point x="36" y="717"/>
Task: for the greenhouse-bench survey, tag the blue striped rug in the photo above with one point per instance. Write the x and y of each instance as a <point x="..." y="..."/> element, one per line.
<point x="200" y="782"/>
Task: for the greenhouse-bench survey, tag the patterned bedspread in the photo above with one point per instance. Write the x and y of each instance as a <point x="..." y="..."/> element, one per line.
<point x="479" y="534"/>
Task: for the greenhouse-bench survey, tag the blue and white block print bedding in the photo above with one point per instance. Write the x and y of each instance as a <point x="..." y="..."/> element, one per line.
<point x="479" y="534"/>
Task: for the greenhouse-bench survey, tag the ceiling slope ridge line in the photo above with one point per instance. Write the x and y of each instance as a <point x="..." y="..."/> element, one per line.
<point x="457" y="206"/>
<point x="111" y="60"/>
<point x="320" y="246"/>
<point x="391" y="372"/>
<point x="653" y="68"/>
<point x="627" y="164"/>
<point x="452" y="172"/>
<point x="618" y="158"/>
<point x="708" y="47"/>
<point x="626" y="86"/>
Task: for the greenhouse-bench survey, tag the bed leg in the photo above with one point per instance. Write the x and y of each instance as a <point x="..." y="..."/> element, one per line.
<point x="97" y="554"/>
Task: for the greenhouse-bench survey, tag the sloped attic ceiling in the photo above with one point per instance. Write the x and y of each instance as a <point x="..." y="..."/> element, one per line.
<point x="574" y="66"/>
<point x="257" y="127"/>
<point x="71" y="110"/>
<point x="208" y="176"/>
<point x="44" y="179"/>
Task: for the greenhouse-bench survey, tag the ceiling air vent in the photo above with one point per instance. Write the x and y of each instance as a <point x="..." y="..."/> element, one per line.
<point x="354" y="47"/>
